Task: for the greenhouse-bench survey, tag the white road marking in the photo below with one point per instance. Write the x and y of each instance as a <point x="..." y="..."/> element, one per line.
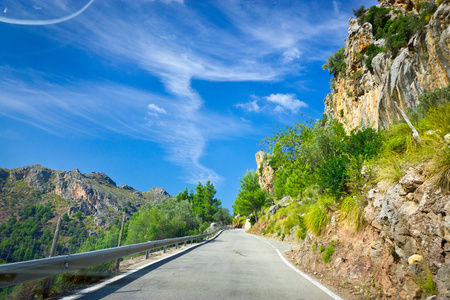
<point x="318" y="284"/>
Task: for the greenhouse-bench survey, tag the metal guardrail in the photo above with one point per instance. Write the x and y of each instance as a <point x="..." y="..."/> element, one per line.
<point x="15" y="273"/>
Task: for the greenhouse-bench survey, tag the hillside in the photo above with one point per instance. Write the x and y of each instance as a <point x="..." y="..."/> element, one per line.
<point x="366" y="201"/>
<point x="95" y="195"/>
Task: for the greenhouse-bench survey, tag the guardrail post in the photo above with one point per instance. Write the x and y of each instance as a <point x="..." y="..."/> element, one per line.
<point x="165" y="249"/>
<point x="48" y="282"/>
<point x="191" y="241"/>
<point x="185" y="243"/>
<point x="176" y="246"/>
<point x="147" y="254"/>
<point x="120" y="241"/>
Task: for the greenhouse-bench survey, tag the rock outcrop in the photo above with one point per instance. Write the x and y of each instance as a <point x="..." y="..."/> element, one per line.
<point x="265" y="171"/>
<point x="404" y="246"/>
<point x="92" y="194"/>
<point x="366" y="97"/>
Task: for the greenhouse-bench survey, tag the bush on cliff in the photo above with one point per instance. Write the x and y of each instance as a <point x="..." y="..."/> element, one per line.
<point x="336" y="63"/>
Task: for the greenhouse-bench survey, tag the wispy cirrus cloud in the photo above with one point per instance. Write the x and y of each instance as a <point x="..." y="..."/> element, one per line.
<point x="175" y="42"/>
<point x="155" y="110"/>
<point x="99" y="109"/>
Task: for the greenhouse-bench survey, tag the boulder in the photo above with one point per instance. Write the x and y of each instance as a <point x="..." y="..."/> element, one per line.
<point x="273" y="209"/>
<point x="443" y="282"/>
<point x="447" y="138"/>
<point x="126" y="187"/>
<point x="285" y="201"/>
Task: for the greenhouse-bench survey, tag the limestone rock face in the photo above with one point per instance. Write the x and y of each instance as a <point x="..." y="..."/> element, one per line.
<point x="407" y="237"/>
<point x="413" y="216"/>
<point x="266" y="174"/>
<point x="364" y="97"/>
<point x="92" y="194"/>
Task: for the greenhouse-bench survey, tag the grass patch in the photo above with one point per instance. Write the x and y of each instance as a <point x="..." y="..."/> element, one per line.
<point x="317" y="217"/>
<point x="424" y="280"/>
<point x="352" y="211"/>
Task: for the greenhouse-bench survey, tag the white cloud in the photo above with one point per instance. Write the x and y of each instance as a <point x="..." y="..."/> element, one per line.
<point x="198" y="48"/>
<point x="251" y="106"/>
<point x="155" y="110"/>
<point x="291" y="55"/>
<point x="96" y="109"/>
<point x="286" y="102"/>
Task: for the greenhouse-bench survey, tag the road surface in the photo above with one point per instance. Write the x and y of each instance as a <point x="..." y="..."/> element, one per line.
<point x="235" y="265"/>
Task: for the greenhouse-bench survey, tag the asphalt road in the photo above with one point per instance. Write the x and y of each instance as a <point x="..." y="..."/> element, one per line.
<point x="235" y="265"/>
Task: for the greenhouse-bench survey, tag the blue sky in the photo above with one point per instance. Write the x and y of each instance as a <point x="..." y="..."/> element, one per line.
<point x="160" y="93"/>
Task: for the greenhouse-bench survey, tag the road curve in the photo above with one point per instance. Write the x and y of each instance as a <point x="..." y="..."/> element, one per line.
<point x="235" y="265"/>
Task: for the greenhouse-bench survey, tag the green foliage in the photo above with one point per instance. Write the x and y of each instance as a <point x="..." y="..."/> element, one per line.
<point x="427" y="285"/>
<point x="358" y="13"/>
<point x="336" y="63"/>
<point x="23" y="237"/>
<point x="171" y="218"/>
<point x="397" y="31"/>
<point x="356" y="75"/>
<point x="251" y="198"/>
<point x="433" y="123"/>
<point x="391" y="167"/>
<point x="317" y="217"/>
<point x="379" y="18"/>
<point x="222" y="217"/>
<point x="426" y="9"/>
<point x="429" y="100"/>
<point x="287" y="219"/>
<point x="352" y="210"/>
<point x="402" y="29"/>
<point x="204" y="203"/>
<point x="317" y="153"/>
<point x="371" y="52"/>
<point x="349" y="93"/>
<point x="328" y="252"/>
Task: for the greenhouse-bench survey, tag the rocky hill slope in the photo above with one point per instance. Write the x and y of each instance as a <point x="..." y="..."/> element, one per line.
<point x="95" y="194"/>
<point x="391" y="240"/>
<point x="380" y="70"/>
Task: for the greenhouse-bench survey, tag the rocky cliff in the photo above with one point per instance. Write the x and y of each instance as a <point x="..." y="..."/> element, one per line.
<point x="93" y="194"/>
<point x="266" y="174"/>
<point x="366" y="96"/>
<point x="404" y="247"/>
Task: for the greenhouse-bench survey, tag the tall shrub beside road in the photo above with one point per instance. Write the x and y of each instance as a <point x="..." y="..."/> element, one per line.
<point x="251" y="198"/>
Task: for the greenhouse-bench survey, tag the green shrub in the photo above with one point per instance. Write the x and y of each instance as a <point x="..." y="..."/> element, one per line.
<point x="441" y="167"/>
<point x="398" y="138"/>
<point x="317" y="217"/>
<point x="358" y="13"/>
<point x="438" y="119"/>
<point x="326" y="257"/>
<point x="371" y="52"/>
<point x="336" y="63"/>
<point x="391" y="168"/>
<point x="352" y="210"/>
<point x="356" y="75"/>
<point x="378" y="17"/>
<point x="428" y="100"/>
<point x="300" y="233"/>
<point x="424" y="279"/>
